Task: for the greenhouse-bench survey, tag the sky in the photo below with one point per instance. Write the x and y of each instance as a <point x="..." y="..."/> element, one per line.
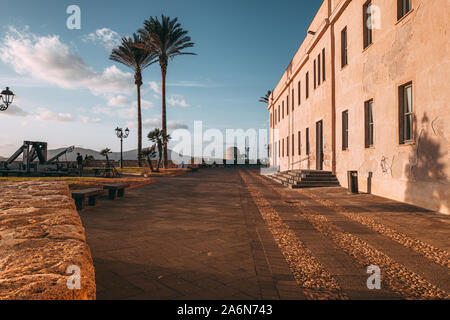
<point x="68" y="92"/>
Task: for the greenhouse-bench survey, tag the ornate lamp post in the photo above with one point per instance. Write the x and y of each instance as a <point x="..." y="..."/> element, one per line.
<point x="122" y="135"/>
<point x="7" y="97"/>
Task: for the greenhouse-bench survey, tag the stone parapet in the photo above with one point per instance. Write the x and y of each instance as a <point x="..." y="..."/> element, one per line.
<point x="42" y="244"/>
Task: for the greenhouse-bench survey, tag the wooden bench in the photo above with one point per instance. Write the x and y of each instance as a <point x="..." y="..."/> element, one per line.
<point x="116" y="190"/>
<point x="80" y="197"/>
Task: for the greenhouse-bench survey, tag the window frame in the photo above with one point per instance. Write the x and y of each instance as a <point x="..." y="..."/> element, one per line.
<point x="367" y="32"/>
<point x="307" y="85"/>
<point x="293" y="98"/>
<point x="319" y="74"/>
<point x="308" y="149"/>
<point x="287" y="146"/>
<point x="315" y="74"/>
<point x="324" y="75"/>
<point x="345" y="130"/>
<point x="404" y="115"/>
<point x="344" y="47"/>
<point x="401" y="11"/>
<point x="287" y="105"/>
<point x="369" y="124"/>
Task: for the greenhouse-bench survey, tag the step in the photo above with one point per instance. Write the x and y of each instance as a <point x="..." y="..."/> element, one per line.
<point x="315" y="185"/>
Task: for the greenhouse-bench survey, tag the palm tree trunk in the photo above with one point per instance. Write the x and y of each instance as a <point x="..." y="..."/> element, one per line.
<point x="164" y="114"/>
<point x="150" y="164"/>
<point x="139" y="126"/>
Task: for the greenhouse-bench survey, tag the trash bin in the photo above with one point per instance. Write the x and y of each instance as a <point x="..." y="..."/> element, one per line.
<point x="352" y="178"/>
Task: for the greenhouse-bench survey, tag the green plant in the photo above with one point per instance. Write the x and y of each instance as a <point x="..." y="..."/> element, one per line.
<point x="166" y="39"/>
<point x="128" y="54"/>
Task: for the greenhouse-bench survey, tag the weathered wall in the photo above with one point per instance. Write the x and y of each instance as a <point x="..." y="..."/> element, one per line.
<point x="413" y="49"/>
<point x="416" y="49"/>
<point x="41" y="235"/>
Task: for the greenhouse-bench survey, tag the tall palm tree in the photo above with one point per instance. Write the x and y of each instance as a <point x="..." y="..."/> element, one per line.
<point x="137" y="59"/>
<point x="265" y="99"/>
<point x="160" y="139"/>
<point x="166" y="39"/>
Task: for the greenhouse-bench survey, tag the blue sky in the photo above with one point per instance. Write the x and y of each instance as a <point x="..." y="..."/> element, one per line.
<point x="70" y="93"/>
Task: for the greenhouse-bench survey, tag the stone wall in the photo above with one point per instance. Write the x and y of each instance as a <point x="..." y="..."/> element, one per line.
<point x="41" y="239"/>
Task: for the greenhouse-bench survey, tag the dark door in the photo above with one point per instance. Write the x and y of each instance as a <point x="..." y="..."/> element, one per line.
<point x="319" y="145"/>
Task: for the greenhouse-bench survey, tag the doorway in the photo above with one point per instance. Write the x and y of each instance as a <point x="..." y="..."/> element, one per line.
<point x="319" y="145"/>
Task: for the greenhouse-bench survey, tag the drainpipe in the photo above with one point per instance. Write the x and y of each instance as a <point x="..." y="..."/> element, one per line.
<point x="333" y="92"/>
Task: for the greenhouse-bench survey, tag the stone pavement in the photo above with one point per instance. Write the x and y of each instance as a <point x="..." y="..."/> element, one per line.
<point x="231" y="234"/>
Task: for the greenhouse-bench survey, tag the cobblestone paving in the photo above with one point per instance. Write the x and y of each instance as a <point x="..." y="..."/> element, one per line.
<point x="226" y="234"/>
<point x="396" y="276"/>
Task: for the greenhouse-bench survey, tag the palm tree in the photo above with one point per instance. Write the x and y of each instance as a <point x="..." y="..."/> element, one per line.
<point x="160" y="139"/>
<point x="105" y="153"/>
<point x="150" y="153"/>
<point x="166" y="39"/>
<point x="265" y="99"/>
<point x="137" y="59"/>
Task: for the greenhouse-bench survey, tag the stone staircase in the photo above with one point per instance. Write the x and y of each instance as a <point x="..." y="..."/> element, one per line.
<point x="305" y="179"/>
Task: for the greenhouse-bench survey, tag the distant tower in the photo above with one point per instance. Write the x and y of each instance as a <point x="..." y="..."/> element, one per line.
<point x="232" y="155"/>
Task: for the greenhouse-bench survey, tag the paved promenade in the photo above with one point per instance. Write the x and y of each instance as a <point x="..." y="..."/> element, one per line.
<point x="232" y="234"/>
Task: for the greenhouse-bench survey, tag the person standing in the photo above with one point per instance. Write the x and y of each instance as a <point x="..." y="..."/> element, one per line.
<point x="80" y="163"/>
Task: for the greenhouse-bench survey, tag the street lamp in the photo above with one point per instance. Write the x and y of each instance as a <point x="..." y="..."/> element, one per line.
<point x="122" y="135"/>
<point x="7" y="97"/>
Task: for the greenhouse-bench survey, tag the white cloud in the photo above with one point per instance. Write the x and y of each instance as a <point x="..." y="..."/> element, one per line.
<point x="177" y="100"/>
<point x="48" y="59"/>
<point x="106" y="37"/>
<point x="119" y="101"/>
<point x="103" y="110"/>
<point x="122" y="101"/>
<point x="154" y="86"/>
<point x="146" y="104"/>
<point x="129" y="113"/>
<point x="15" y="111"/>
<point x="44" y="114"/>
<point x="89" y="120"/>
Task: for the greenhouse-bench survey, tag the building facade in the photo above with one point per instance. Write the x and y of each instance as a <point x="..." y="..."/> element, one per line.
<point x="367" y="91"/>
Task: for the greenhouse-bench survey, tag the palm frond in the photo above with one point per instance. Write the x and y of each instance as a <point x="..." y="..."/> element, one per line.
<point x="265" y="99"/>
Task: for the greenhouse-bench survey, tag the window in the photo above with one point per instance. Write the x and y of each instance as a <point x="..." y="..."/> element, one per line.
<point x="275" y="118"/>
<point x="299" y="143"/>
<point x="307" y="141"/>
<point x="279" y="148"/>
<point x="315" y="74"/>
<point x="282" y="110"/>
<point x="367" y="23"/>
<point x="287" y="146"/>
<point x="293" y="100"/>
<point x="293" y="145"/>
<point x="299" y="89"/>
<point x="368" y="117"/>
<point x="406" y="113"/>
<point x="287" y="105"/>
<point x="403" y="7"/>
<point x="345" y="130"/>
<point x="307" y="85"/>
<point x="323" y="65"/>
<point x="271" y="120"/>
<point x="344" y="57"/>
<point x="282" y="149"/>
<point x="319" y="75"/>
<point x="278" y="113"/>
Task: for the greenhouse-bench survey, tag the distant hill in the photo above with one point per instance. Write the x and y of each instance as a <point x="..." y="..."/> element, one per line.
<point x="127" y="155"/>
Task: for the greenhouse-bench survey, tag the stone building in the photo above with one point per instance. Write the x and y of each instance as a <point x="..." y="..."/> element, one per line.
<point x="368" y="91"/>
